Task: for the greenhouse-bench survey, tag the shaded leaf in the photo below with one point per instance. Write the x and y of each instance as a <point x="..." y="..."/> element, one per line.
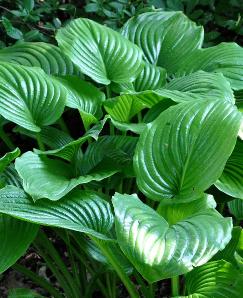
<point x="8" y="158"/>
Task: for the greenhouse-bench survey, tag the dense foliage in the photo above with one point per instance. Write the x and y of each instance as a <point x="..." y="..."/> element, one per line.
<point x="137" y="189"/>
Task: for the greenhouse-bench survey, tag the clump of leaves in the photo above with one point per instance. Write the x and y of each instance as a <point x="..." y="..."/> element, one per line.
<point x="133" y="194"/>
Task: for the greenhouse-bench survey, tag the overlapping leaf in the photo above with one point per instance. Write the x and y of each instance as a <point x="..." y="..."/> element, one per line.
<point x="160" y="251"/>
<point x="185" y="149"/>
<point x="48" y="178"/>
<point x="218" y="279"/>
<point x="8" y="158"/>
<point x="85" y="97"/>
<point x="100" y="52"/>
<point x="39" y="54"/>
<point x="29" y="97"/>
<point x="236" y="208"/>
<point x="231" y="180"/>
<point x="15" y="238"/>
<point x="81" y="211"/>
<point x="166" y="38"/>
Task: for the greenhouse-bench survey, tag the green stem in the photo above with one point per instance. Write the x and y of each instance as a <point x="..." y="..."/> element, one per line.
<point x="108" y="253"/>
<point x="38" y="280"/>
<point x="175" y="286"/>
<point x="6" y="139"/>
<point x="39" y="142"/>
<point x="108" y="91"/>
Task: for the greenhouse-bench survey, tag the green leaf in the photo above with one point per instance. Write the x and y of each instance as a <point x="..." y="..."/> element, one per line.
<point x="10" y="177"/>
<point x="184" y="150"/>
<point x="226" y="58"/>
<point x="236" y="208"/>
<point x="85" y="97"/>
<point x="215" y="279"/>
<point x="11" y="31"/>
<point x="175" y="212"/>
<point x="150" y="78"/>
<point x="166" y="38"/>
<point x="29" y="4"/>
<point x="160" y="251"/>
<point x="23" y="293"/>
<point x="39" y="54"/>
<point x="199" y="86"/>
<point x="15" y="238"/>
<point x="8" y="158"/>
<point x="81" y="211"/>
<point x="52" y="179"/>
<point x="50" y="136"/>
<point x="231" y="180"/>
<point x="68" y="151"/>
<point x="29" y="97"/>
<point x="228" y="252"/>
<point x="99" y="52"/>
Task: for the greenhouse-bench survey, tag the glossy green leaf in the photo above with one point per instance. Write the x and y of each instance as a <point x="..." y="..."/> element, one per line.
<point x="228" y="252"/>
<point x="198" y="86"/>
<point x="29" y="97"/>
<point x="218" y="279"/>
<point x="39" y="54"/>
<point x="179" y="153"/>
<point x="10" y="177"/>
<point x="81" y="211"/>
<point x="231" y="180"/>
<point x="52" y="179"/>
<point x="160" y="251"/>
<point x="85" y="97"/>
<point x="13" y="244"/>
<point x="166" y="38"/>
<point x="150" y="78"/>
<point x="8" y="158"/>
<point x="236" y="208"/>
<point x="99" y="52"/>
<point x="175" y="212"/>
<point x="226" y="58"/>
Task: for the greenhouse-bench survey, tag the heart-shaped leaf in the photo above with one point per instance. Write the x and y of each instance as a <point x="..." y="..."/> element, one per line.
<point x="39" y="54"/>
<point x="215" y="279"/>
<point x="52" y="179"/>
<point x="231" y="180"/>
<point x="166" y="38"/>
<point x="15" y="238"/>
<point x="100" y="52"/>
<point x="81" y="211"/>
<point x="29" y="97"/>
<point x="185" y="149"/>
<point x="160" y="251"/>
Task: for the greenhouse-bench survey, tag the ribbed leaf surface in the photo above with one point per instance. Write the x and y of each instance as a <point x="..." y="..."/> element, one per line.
<point x="100" y="52"/>
<point x="85" y="97"/>
<point x="160" y="251"/>
<point x="48" y="178"/>
<point x="231" y="180"/>
<point x="226" y="58"/>
<point x="81" y="211"/>
<point x="217" y="279"/>
<point x="166" y="38"/>
<point x="15" y="238"/>
<point x="29" y="97"/>
<point x="185" y="149"/>
<point x="39" y="54"/>
<point x="236" y="208"/>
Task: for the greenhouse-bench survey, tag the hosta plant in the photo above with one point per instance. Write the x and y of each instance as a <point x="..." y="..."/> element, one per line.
<point x="127" y="146"/>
